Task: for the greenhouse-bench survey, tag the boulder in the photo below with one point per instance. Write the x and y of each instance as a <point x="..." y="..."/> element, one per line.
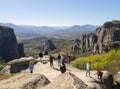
<point x="8" y="44"/>
<point x="66" y="81"/>
<point x="25" y="81"/>
<point x="108" y="79"/>
<point x="16" y="65"/>
<point x="116" y="76"/>
<point x="117" y="80"/>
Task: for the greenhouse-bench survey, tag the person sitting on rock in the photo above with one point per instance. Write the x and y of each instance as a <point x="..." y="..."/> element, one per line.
<point x="31" y="67"/>
<point x="63" y="67"/>
<point x="99" y="74"/>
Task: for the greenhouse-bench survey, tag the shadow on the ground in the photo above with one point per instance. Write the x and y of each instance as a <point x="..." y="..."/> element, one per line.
<point x="95" y="81"/>
<point x="56" y="69"/>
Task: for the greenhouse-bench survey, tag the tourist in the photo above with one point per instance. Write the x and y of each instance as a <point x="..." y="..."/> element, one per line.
<point x="51" y="61"/>
<point x="63" y="67"/>
<point x="88" y="66"/>
<point x="59" y="58"/>
<point x="40" y="55"/>
<point x="31" y="67"/>
<point x="99" y="74"/>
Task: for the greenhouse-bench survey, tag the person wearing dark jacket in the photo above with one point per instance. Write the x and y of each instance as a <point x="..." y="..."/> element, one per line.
<point x="59" y="58"/>
<point x="40" y="55"/>
<point x="99" y="74"/>
<point x="63" y="67"/>
<point x="51" y="61"/>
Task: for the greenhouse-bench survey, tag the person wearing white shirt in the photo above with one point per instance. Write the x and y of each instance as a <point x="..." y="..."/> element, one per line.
<point x="88" y="65"/>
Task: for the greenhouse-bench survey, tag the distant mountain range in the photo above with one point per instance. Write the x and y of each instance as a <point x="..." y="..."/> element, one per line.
<point x="66" y="32"/>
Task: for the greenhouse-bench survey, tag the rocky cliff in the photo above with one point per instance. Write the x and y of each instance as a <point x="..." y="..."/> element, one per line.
<point x="49" y="45"/>
<point x="9" y="48"/>
<point x="105" y="38"/>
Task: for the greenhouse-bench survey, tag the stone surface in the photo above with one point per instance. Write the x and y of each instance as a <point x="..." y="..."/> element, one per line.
<point x="21" y="49"/>
<point x="66" y="81"/>
<point x="8" y="44"/>
<point x="108" y="79"/>
<point x="16" y="65"/>
<point x="25" y="81"/>
<point x="55" y="76"/>
<point x="9" y="48"/>
<point x="117" y="80"/>
<point x="105" y="38"/>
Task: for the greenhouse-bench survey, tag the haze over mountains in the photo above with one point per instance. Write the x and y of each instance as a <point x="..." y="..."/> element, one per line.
<point x="65" y="32"/>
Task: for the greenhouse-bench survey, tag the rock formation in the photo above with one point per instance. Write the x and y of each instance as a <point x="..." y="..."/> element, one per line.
<point x="108" y="79"/>
<point x="66" y="81"/>
<point x="8" y="44"/>
<point x="25" y="81"/>
<point x="75" y="47"/>
<point x="16" y="65"/>
<point x="103" y="39"/>
<point x="49" y="46"/>
<point x="21" y="49"/>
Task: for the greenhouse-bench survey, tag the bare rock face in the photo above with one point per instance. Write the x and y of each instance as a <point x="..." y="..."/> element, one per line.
<point x="109" y="33"/>
<point x="25" y="81"/>
<point x="105" y="37"/>
<point x="88" y="42"/>
<point x="8" y="44"/>
<point x="16" y="65"/>
<point x="77" y="41"/>
<point x="49" y="46"/>
<point x="96" y="48"/>
<point x="21" y="49"/>
<point x="66" y="81"/>
<point x="75" y="47"/>
<point x="83" y="42"/>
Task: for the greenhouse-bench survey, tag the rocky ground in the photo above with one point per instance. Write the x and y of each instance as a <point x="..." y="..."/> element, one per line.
<point x="51" y="78"/>
<point x="53" y="73"/>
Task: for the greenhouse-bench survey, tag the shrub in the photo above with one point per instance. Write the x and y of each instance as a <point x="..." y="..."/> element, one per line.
<point x="109" y="61"/>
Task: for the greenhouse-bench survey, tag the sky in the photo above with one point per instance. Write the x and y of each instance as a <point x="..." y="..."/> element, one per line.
<point x="59" y="12"/>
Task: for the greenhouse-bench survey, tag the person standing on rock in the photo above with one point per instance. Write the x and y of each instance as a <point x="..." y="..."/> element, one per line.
<point x="40" y="55"/>
<point x="63" y="67"/>
<point x="88" y="66"/>
<point x="51" y="61"/>
<point x="31" y="67"/>
<point x="99" y="74"/>
<point x="59" y="58"/>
